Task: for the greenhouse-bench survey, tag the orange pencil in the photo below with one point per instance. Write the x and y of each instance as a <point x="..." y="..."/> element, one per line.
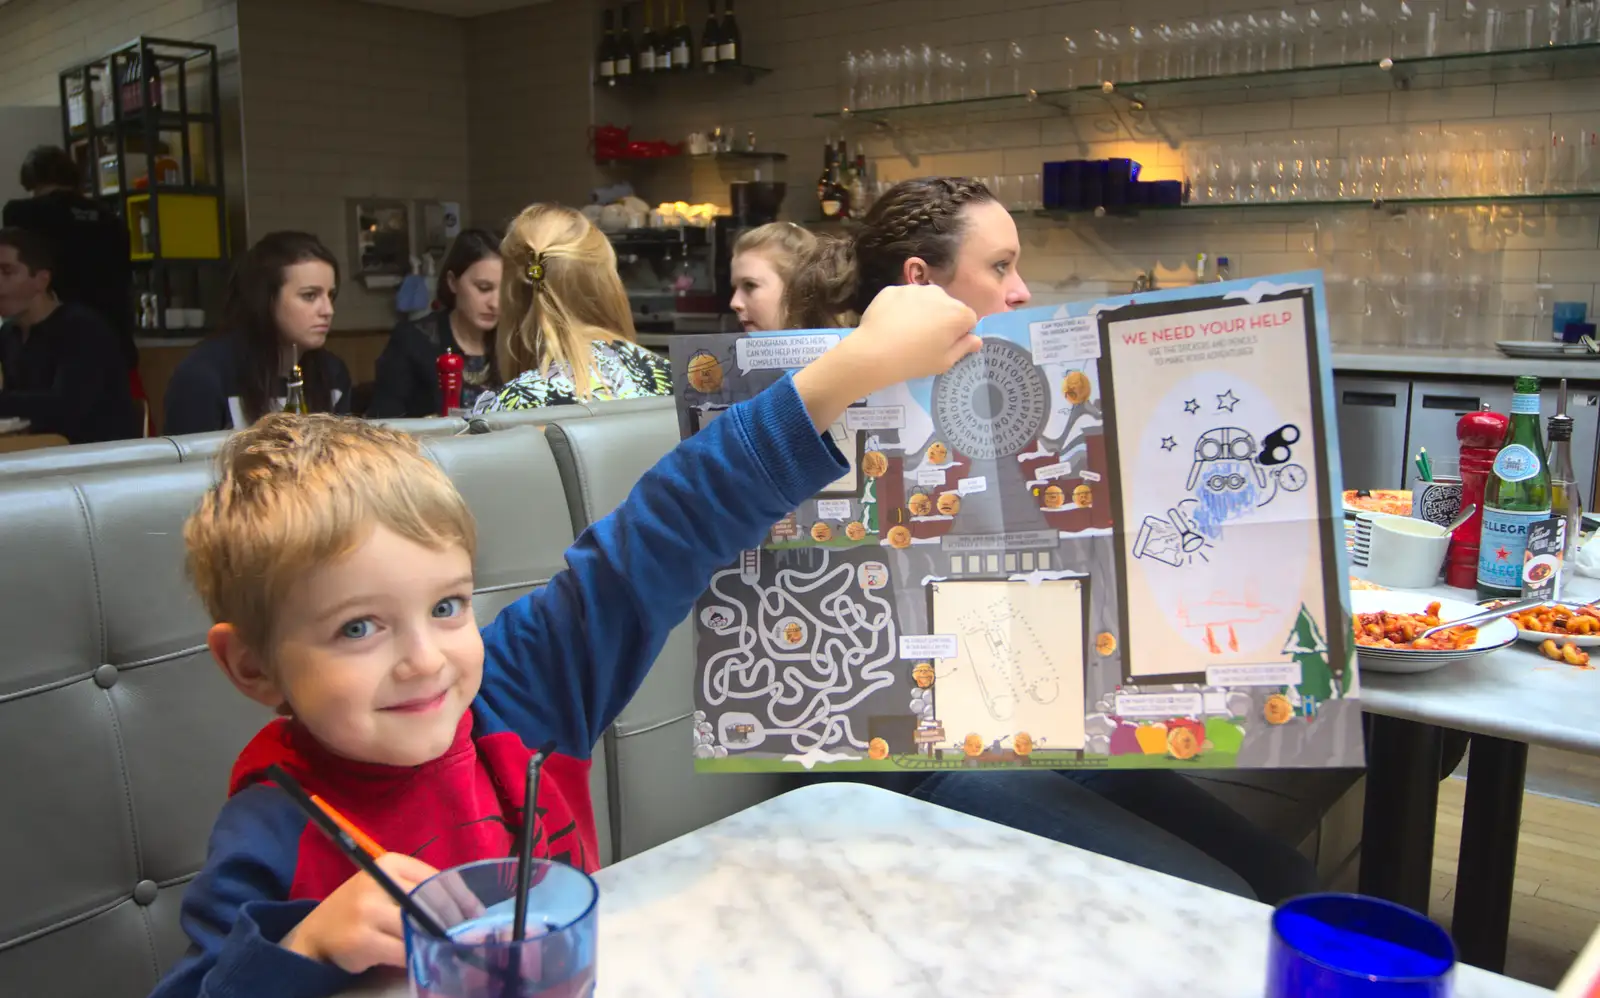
<point x="365" y="841"/>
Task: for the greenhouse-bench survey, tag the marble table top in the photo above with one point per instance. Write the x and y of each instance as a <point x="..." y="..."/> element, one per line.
<point x="846" y="890"/>
<point x="1515" y="693"/>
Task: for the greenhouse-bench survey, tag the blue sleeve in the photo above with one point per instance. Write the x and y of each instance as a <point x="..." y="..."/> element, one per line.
<point x="563" y="661"/>
<point x="235" y="912"/>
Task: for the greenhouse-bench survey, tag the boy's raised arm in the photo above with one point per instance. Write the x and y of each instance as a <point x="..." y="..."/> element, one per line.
<point x="563" y="661"/>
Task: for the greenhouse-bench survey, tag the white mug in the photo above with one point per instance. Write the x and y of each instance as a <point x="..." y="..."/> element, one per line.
<point x="1406" y="553"/>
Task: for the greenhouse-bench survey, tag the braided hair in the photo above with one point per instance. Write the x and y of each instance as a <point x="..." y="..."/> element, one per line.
<point x="839" y="277"/>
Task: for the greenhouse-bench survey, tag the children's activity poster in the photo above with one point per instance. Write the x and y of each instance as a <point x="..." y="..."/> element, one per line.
<point x="1106" y="540"/>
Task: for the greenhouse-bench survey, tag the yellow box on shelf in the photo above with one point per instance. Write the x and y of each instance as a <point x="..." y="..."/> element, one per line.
<point x="188" y="227"/>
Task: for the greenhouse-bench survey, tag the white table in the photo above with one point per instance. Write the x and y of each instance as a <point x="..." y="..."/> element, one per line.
<point x="846" y="890"/>
<point x="1506" y="701"/>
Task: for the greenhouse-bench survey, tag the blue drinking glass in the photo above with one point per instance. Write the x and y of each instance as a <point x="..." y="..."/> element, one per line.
<point x="1348" y="946"/>
<point x="476" y="904"/>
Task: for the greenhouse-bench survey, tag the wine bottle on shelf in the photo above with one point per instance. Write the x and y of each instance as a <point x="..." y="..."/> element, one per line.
<point x="831" y="195"/>
<point x="606" y="58"/>
<point x="729" y="51"/>
<point x="649" y="45"/>
<point x="822" y="178"/>
<point x="625" y="47"/>
<point x="1516" y="496"/>
<point x="710" y="38"/>
<point x="664" y="41"/>
<point x="682" y="41"/>
<point x="295" y="400"/>
<point x="860" y="200"/>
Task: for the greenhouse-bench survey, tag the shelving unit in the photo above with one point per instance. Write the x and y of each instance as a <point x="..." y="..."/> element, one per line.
<point x="1426" y="72"/>
<point x="738" y="157"/>
<point x="1376" y="205"/>
<point x="742" y="73"/>
<point x="142" y="123"/>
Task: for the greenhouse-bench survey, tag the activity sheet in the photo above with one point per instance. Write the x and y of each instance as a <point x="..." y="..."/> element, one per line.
<point x="1106" y="540"/>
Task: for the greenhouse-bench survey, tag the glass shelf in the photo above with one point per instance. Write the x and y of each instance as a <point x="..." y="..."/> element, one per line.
<point x="1566" y="197"/>
<point x="1357" y="77"/>
<point x="732" y="156"/>
<point x="641" y="81"/>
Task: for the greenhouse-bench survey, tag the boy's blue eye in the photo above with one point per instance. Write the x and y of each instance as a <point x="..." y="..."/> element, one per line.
<point x="450" y="606"/>
<point x="355" y="630"/>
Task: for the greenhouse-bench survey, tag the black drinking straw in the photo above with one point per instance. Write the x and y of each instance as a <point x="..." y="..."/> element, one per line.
<point x="357" y="855"/>
<point x="525" y="847"/>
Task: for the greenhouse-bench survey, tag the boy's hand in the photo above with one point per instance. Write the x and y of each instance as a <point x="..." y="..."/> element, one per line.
<point x="357" y="927"/>
<point x="909" y="331"/>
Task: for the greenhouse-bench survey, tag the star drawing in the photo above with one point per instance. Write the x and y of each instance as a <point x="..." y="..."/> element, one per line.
<point x="1167" y="443"/>
<point x="1191" y="407"/>
<point x="1227" y="400"/>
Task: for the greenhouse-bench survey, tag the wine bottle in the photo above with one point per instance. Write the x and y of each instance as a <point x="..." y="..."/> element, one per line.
<point x="625" y="47"/>
<point x="295" y="400"/>
<point x="710" y="38"/>
<point x="729" y="51"/>
<point x="860" y="200"/>
<point x="664" y="40"/>
<point x="682" y="41"/>
<point x="1517" y="496"/>
<point x="606" y="58"/>
<point x="649" y="45"/>
<point x="832" y="198"/>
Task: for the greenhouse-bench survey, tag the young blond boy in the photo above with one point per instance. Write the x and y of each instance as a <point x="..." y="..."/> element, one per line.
<point x="337" y="564"/>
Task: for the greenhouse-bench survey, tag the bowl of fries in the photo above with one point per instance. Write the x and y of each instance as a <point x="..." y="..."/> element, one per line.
<point x="1388" y="629"/>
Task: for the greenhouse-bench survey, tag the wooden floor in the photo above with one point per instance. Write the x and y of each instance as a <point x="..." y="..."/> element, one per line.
<point x="1557" y="901"/>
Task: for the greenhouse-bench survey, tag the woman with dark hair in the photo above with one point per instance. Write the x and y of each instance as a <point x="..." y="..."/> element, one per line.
<point x="275" y="316"/>
<point x="951" y="231"/>
<point x="468" y="295"/>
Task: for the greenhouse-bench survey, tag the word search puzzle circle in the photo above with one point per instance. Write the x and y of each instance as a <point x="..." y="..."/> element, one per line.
<point x="993" y="403"/>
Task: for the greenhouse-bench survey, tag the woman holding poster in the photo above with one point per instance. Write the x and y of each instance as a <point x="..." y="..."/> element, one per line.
<point x="952" y="232"/>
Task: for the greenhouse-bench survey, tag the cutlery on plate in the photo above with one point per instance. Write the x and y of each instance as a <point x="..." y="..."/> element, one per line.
<point x="1486" y="617"/>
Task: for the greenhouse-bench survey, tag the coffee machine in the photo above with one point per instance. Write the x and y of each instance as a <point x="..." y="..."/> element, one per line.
<point x="679" y="278"/>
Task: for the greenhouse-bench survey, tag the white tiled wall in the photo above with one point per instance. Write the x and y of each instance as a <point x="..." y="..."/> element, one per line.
<point x="347" y="99"/>
<point x="1513" y="251"/>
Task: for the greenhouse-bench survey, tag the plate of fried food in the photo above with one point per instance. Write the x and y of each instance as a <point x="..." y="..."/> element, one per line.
<point x="1557" y="627"/>
<point x="1389" y="626"/>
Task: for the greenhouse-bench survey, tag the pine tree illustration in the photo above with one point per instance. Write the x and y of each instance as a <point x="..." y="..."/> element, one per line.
<point x="869" y="506"/>
<point x="1306" y="646"/>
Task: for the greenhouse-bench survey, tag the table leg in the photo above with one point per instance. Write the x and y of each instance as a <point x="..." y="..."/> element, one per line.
<point x="1490" y="823"/>
<point x="1402" y="799"/>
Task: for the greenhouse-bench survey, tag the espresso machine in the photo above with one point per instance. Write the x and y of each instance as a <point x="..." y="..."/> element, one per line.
<point x="679" y="279"/>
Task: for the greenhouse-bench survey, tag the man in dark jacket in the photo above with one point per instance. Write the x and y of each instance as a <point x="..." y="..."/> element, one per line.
<point x="88" y="242"/>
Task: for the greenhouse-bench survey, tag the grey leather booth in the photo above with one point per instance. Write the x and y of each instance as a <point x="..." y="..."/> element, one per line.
<point x="118" y="733"/>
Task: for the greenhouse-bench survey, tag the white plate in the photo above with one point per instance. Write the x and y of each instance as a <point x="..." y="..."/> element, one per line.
<point x="1538" y="637"/>
<point x="1491" y="637"/>
<point x="1543" y="349"/>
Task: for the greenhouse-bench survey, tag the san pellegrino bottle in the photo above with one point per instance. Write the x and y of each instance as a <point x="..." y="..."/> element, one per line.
<point x="1516" y="497"/>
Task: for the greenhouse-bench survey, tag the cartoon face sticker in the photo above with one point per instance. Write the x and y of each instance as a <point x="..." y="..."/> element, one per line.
<point x="1053" y="497"/>
<point x="922" y="675"/>
<point x="949" y="503"/>
<point x="874" y="464"/>
<point x="900" y="536"/>
<point x="821" y="532"/>
<point x="1083" y="496"/>
<point x="855" y="530"/>
<point x="919" y="504"/>
<point x="1106" y="643"/>
<point x="1022" y="744"/>
<point x="1182" y="743"/>
<point x="877" y="749"/>
<point x="1277" y="709"/>
<point x="938" y="453"/>
<point x="972" y="745"/>
<point x="792" y="633"/>
<point x="705" y="373"/>
<point x="1075" y="387"/>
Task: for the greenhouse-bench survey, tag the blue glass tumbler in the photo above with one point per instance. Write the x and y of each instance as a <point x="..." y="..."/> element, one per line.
<point x="1348" y="946"/>
<point x="476" y="905"/>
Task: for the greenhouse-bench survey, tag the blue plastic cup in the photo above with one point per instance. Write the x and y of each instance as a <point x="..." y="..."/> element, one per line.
<point x="1338" y="945"/>
<point x="476" y="905"/>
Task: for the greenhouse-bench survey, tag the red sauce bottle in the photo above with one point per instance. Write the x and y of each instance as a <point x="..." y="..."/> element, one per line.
<point x="452" y="368"/>
<point x="1480" y="435"/>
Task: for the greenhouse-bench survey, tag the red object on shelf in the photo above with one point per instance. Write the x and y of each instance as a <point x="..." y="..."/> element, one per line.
<point x="1480" y="434"/>
<point x="451" y="367"/>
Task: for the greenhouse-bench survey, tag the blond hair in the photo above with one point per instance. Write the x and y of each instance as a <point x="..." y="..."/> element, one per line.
<point x="296" y="492"/>
<point x="560" y="294"/>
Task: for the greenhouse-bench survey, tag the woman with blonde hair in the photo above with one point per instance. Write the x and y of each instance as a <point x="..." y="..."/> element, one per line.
<point x="565" y="328"/>
<point x="763" y="265"/>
